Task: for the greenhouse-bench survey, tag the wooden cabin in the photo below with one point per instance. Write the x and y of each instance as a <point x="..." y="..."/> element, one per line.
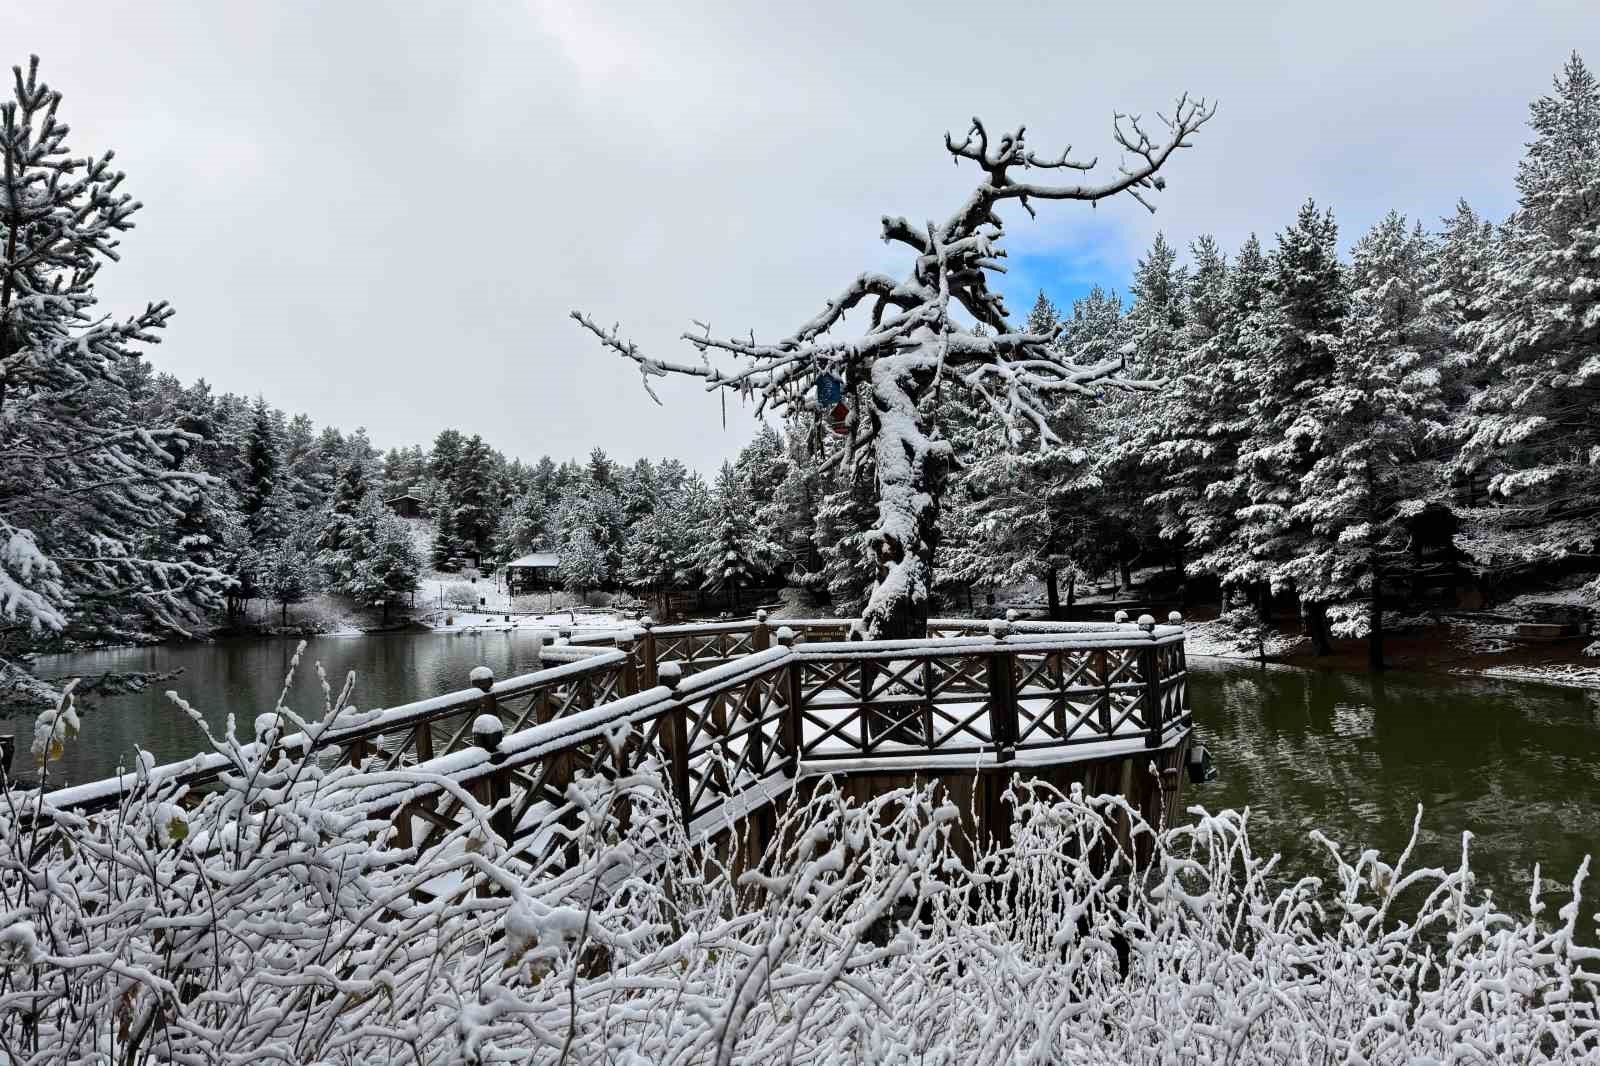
<point x="407" y="506"/>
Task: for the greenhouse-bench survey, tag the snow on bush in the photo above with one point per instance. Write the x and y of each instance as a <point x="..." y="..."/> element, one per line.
<point x="275" y="920"/>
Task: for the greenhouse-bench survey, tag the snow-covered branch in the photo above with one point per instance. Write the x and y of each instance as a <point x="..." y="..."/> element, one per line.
<point x="913" y="337"/>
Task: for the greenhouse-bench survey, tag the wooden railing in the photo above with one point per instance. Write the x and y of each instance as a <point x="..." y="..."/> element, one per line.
<point x="577" y="678"/>
<point x="733" y="713"/>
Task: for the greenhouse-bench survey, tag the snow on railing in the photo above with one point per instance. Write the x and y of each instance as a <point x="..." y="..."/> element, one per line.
<point x="1011" y="689"/>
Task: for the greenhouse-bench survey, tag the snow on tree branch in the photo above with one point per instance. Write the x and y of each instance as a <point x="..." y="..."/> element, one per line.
<point x="914" y="343"/>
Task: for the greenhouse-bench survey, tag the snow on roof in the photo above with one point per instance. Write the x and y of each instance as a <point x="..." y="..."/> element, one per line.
<point x="537" y="561"/>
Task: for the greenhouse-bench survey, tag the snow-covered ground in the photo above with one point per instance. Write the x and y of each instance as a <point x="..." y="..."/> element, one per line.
<point x="479" y="621"/>
<point x="1568" y="674"/>
<point x="1216" y="640"/>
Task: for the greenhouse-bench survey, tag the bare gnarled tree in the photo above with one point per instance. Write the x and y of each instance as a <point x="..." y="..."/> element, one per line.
<point x="914" y="342"/>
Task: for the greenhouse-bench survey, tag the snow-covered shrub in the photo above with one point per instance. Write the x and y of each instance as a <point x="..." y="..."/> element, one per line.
<point x="278" y="921"/>
<point x="461" y="594"/>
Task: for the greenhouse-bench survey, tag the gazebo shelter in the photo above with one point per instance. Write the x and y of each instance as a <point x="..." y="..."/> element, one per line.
<point x="534" y="571"/>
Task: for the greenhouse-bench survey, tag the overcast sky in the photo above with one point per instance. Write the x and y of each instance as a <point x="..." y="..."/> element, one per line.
<point x="381" y="214"/>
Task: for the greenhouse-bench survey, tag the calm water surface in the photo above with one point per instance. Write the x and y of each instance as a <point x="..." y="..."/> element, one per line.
<point x="244" y="678"/>
<point x="1351" y="754"/>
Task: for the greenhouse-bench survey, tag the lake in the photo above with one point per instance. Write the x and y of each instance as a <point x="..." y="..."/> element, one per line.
<point x="1351" y="754"/>
<point x="245" y="677"/>
<point x="1354" y="754"/>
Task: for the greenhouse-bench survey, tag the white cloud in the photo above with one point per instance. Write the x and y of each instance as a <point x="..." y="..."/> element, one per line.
<point x="381" y="215"/>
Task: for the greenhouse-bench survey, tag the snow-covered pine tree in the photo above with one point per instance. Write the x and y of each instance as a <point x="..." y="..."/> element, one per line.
<point x="589" y="526"/>
<point x="638" y="493"/>
<point x="1098" y="330"/>
<point x="1210" y="463"/>
<point x="1154" y="332"/>
<point x="789" y="517"/>
<point x="258" y="475"/>
<point x="915" y="346"/>
<point x="585" y="564"/>
<point x="762" y="467"/>
<point x="1178" y="441"/>
<point x="1017" y="513"/>
<point x="843" y="526"/>
<point x="473" y="506"/>
<point x="288" y="577"/>
<point x="1376" y="421"/>
<point x="1290" y="359"/>
<point x="301" y="472"/>
<point x="1535" y="425"/>
<point x="663" y="548"/>
<point x="336" y="540"/>
<point x="735" y="553"/>
<point x="85" y="488"/>
<point x="444" y="551"/>
<point x="381" y="563"/>
<point x="525" y="527"/>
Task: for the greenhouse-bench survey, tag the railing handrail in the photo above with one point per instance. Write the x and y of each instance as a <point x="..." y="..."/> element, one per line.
<point x="1029" y="638"/>
<point x="206" y="766"/>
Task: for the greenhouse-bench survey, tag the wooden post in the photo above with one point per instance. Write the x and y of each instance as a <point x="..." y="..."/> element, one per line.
<point x="1149" y="665"/>
<point x="628" y="678"/>
<point x="1058" y="705"/>
<point x="996" y="813"/>
<point x="675" y="734"/>
<point x="1102" y="669"/>
<point x="622" y="805"/>
<point x="761" y="637"/>
<point x="487" y="733"/>
<point x="1002" y="695"/>
<point x="424" y="741"/>
<point x="793" y="726"/>
<point x="494" y="789"/>
<point x="402" y="828"/>
<point x="647" y="653"/>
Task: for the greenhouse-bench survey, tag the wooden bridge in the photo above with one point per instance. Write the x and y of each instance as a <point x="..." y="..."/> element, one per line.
<point x="740" y="715"/>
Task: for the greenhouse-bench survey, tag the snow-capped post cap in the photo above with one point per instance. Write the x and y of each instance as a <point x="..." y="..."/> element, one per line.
<point x="1147" y="622"/>
<point x="761" y="616"/>
<point x="566" y="634"/>
<point x="785" y="636"/>
<point x="546" y="637"/>
<point x="647" y="622"/>
<point x="1175" y="618"/>
<point x="670" y="674"/>
<point x="266" y="724"/>
<point x="481" y="677"/>
<point x="1000" y="628"/>
<point x="488" y="732"/>
<point x="1121" y="616"/>
<point x="1011" y="614"/>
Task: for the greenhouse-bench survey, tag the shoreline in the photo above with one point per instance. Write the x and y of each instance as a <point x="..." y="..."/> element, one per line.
<point x="1455" y="648"/>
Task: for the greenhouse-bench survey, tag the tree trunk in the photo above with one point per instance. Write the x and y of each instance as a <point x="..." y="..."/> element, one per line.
<point x="1317" y="628"/>
<point x="733" y="596"/>
<point x="1263" y="602"/>
<point x="1052" y="594"/>
<point x="1072" y="592"/>
<point x="1375" y="637"/>
<point x="911" y="471"/>
<point x="1125" y="574"/>
<point x="283" y="613"/>
<point x="385" y="615"/>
